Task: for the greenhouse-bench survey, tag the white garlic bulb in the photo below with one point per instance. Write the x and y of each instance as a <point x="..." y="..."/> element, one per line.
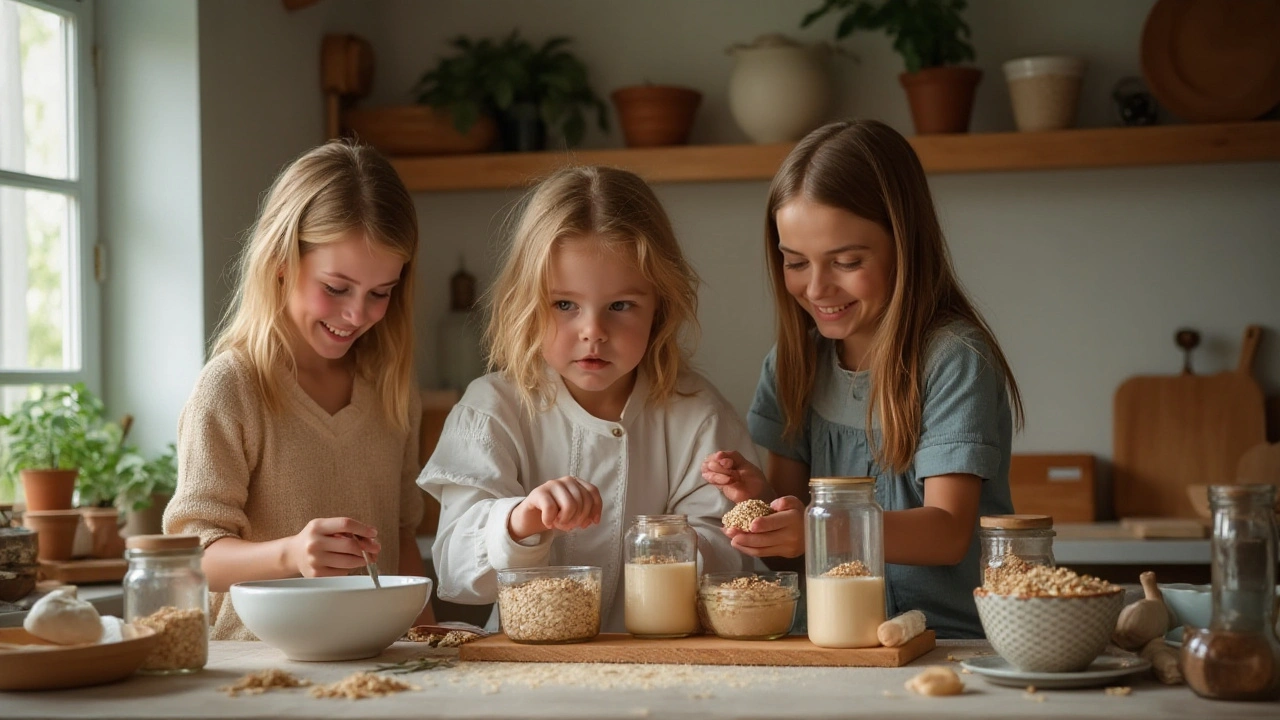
<point x="60" y="617"/>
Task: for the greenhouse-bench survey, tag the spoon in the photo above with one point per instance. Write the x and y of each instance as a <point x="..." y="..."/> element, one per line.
<point x="373" y="569"/>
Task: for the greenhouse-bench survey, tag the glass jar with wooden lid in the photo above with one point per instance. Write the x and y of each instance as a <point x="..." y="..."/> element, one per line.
<point x="1028" y="538"/>
<point x="844" y="562"/>
<point x="165" y="589"/>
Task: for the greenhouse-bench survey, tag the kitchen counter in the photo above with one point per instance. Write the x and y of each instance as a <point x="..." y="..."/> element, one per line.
<point x="1109" y="544"/>
<point x="482" y="690"/>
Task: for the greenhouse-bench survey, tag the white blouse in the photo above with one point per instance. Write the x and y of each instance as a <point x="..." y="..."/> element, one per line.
<point x="492" y="453"/>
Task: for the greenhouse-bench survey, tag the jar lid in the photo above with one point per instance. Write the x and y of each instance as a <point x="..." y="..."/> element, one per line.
<point x="1017" y="522"/>
<point x="841" y="481"/>
<point x="151" y="543"/>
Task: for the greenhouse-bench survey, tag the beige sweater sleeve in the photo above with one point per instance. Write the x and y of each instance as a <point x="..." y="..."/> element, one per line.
<point x="218" y="433"/>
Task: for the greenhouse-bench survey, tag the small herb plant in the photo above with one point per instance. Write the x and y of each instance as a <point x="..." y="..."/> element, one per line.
<point x="56" y="430"/>
<point x="926" y="33"/>
<point x="486" y="77"/>
<point x="157" y="476"/>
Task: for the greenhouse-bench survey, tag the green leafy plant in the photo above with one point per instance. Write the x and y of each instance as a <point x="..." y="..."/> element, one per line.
<point x="58" y="429"/>
<point x="486" y="77"/>
<point x="157" y="476"/>
<point x="926" y="33"/>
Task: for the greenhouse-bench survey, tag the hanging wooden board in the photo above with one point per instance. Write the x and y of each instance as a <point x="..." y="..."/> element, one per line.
<point x="1178" y="430"/>
<point x="794" y="650"/>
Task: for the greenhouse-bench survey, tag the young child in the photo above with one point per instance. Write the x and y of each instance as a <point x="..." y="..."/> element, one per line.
<point x="593" y="415"/>
<point x="298" y="447"/>
<point x="882" y="368"/>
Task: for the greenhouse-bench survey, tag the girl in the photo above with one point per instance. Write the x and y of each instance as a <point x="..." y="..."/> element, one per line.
<point x="298" y="447"/>
<point x="593" y="415"/>
<point x="882" y="368"/>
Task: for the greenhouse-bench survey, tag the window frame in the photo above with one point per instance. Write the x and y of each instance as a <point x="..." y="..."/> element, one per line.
<point x="82" y="188"/>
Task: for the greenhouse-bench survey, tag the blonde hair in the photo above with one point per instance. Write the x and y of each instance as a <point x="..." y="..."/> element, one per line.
<point x="868" y="169"/>
<point x="322" y="197"/>
<point x="620" y="211"/>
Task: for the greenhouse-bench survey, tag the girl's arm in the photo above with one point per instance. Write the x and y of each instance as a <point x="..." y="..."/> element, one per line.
<point x="940" y="532"/>
<point x="325" y="547"/>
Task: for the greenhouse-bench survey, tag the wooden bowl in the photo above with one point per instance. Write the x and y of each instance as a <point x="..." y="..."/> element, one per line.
<point x="47" y="666"/>
<point x="417" y="130"/>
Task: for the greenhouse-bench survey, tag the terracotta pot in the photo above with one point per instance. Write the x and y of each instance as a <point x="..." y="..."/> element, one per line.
<point x="149" y="520"/>
<point x="941" y="98"/>
<point x="56" y="530"/>
<point x="656" y="115"/>
<point x="418" y="130"/>
<point x="47" y="489"/>
<point x="104" y="527"/>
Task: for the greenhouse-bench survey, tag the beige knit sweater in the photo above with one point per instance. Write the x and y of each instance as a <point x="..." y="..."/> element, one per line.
<point x="247" y="474"/>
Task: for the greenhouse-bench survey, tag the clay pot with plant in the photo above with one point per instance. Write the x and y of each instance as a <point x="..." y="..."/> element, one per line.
<point x="655" y="115"/>
<point x="146" y="493"/>
<point x="933" y="39"/>
<point x="529" y="90"/>
<point x="48" y="439"/>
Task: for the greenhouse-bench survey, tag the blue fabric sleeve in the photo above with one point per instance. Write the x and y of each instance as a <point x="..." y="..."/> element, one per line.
<point x="765" y="418"/>
<point x="964" y="400"/>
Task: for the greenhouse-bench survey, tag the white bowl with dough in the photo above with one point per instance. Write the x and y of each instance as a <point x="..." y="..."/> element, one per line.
<point x="334" y="618"/>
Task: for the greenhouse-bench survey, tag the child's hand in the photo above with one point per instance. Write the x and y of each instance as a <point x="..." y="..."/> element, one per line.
<point x="331" y="546"/>
<point x="738" y="479"/>
<point x="778" y="535"/>
<point x="565" y="503"/>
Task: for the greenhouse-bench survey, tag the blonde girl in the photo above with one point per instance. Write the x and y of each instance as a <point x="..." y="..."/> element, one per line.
<point x="591" y="415"/>
<point x="882" y="368"/>
<point x="298" y="447"/>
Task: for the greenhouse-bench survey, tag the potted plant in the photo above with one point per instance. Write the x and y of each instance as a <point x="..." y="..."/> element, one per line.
<point x="528" y="89"/>
<point x="932" y="38"/>
<point x="48" y="439"/>
<point x="655" y="115"/>
<point x="147" y="491"/>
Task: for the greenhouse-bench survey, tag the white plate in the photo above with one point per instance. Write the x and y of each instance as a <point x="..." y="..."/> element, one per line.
<point x="1100" y="672"/>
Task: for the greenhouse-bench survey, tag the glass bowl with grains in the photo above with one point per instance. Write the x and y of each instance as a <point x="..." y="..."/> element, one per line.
<point x="748" y="605"/>
<point x="550" y="605"/>
<point x="1044" y="619"/>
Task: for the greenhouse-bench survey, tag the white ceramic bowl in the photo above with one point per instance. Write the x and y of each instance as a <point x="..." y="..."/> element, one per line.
<point x="335" y="618"/>
<point x="1193" y="604"/>
<point x="1049" y="634"/>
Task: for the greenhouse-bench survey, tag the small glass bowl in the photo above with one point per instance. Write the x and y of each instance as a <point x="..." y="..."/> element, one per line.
<point x="752" y="612"/>
<point x="550" y="605"/>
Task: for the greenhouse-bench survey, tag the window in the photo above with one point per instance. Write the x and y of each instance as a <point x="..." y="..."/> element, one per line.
<point x="49" y="297"/>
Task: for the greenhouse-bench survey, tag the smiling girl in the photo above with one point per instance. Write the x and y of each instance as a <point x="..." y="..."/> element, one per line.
<point x="882" y="368"/>
<point x="298" y="447"/>
<point x="592" y="415"/>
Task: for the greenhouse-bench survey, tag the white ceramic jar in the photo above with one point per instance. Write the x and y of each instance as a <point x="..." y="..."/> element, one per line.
<point x="1045" y="91"/>
<point x="779" y="89"/>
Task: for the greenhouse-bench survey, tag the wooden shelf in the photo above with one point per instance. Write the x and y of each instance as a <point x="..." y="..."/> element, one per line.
<point x="978" y="152"/>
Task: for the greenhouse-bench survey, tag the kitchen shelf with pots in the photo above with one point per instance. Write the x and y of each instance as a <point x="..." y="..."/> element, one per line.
<point x="971" y="152"/>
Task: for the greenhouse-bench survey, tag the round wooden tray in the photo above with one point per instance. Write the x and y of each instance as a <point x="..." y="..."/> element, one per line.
<point x="69" y="666"/>
<point x="1213" y="61"/>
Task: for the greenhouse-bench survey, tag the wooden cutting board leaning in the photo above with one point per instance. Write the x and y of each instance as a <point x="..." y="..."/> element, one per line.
<point x="1186" y="429"/>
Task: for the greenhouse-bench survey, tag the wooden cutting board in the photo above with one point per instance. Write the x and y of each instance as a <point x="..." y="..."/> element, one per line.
<point x="1179" y="430"/>
<point x="793" y="650"/>
<point x="1060" y="486"/>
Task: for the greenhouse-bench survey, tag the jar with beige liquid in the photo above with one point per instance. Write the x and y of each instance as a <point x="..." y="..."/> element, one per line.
<point x="661" y="577"/>
<point x="844" y="563"/>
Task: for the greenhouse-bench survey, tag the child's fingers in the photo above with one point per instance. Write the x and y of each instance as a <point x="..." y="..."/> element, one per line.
<point x="778" y="521"/>
<point x="787" y="502"/>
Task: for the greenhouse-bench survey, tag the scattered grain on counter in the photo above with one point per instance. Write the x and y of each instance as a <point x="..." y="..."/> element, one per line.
<point x="451" y="639"/>
<point x="935" y="681"/>
<point x="361" y="686"/>
<point x="743" y="513"/>
<point x="492" y="676"/>
<point x="256" y="683"/>
<point x="853" y="568"/>
<point x="456" y="638"/>
<point x="1039" y="581"/>
<point x="550" y="609"/>
<point x="183" y="639"/>
<point x="1119" y="691"/>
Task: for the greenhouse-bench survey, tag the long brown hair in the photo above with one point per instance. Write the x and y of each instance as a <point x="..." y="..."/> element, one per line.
<point x="870" y="170"/>
<point x="320" y="198"/>
<point x="618" y="209"/>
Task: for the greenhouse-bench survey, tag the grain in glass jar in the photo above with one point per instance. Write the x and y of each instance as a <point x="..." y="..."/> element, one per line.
<point x="844" y="563"/>
<point x="661" y="577"/>
<point x="1028" y="538"/>
<point x="165" y="589"/>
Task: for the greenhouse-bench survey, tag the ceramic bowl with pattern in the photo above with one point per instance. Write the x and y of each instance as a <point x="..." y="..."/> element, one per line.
<point x="1049" y="634"/>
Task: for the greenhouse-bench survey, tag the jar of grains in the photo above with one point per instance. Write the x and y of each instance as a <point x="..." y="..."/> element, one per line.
<point x="165" y="589"/>
<point x="844" y="563"/>
<point x="1006" y="539"/>
<point x="661" y="577"/>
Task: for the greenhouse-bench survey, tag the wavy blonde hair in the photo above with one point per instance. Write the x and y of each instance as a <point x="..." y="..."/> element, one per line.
<point x="322" y="197"/>
<point x="868" y="169"/>
<point x="619" y="210"/>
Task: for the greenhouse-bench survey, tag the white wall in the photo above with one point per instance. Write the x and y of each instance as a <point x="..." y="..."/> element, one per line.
<point x="149" y="140"/>
<point x="1085" y="275"/>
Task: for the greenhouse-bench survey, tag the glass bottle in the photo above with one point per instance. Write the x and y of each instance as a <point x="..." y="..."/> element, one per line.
<point x="165" y="589"/>
<point x="661" y="577"/>
<point x="1026" y="537"/>
<point x="844" y="563"/>
<point x="1238" y="657"/>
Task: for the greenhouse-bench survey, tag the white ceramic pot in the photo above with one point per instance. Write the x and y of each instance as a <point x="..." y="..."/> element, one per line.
<point x="779" y="89"/>
<point x="1045" y="91"/>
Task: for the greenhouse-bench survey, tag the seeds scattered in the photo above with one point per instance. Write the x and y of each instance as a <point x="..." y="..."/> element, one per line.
<point x="853" y="568"/>
<point x="1120" y="691"/>
<point x="360" y="686"/>
<point x="256" y="683"/>
<point x="743" y="513"/>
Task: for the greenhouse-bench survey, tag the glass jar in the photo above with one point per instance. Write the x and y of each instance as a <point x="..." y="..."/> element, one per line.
<point x="746" y="605"/>
<point x="1026" y="537"/>
<point x="1238" y="657"/>
<point x="550" y="605"/>
<point x="165" y="589"/>
<point x="661" y="577"/>
<point x="844" y="563"/>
